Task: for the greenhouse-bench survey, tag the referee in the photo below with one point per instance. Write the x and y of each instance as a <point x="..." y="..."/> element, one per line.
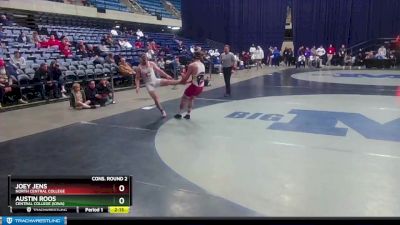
<point x="228" y="63"/>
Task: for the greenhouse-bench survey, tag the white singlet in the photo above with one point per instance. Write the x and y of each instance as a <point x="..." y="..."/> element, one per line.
<point x="198" y="79"/>
<point x="149" y="77"/>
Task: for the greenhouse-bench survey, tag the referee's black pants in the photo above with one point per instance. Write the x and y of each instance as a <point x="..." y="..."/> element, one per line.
<point x="227" y="78"/>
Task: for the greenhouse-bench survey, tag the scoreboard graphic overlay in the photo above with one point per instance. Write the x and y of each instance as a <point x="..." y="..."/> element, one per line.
<point x="83" y="194"/>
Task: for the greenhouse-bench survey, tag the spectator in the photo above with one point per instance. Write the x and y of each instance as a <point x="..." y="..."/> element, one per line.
<point x="7" y="88"/>
<point x="307" y="55"/>
<point x="66" y="51"/>
<point x="65" y="42"/>
<point x="320" y="54"/>
<point x="286" y="56"/>
<point x="44" y="82"/>
<point x="138" y="44"/>
<point x="381" y="53"/>
<point x="161" y="63"/>
<point x="125" y="44"/>
<point x="90" y="51"/>
<point x="252" y="49"/>
<point x="342" y="55"/>
<point x="51" y="42"/>
<point x="150" y="54"/>
<point x="81" y="50"/>
<point x="347" y="60"/>
<point x="276" y="56"/>
<point x="114" y="32"/>
<point x="22" y="38"/>
<point x="12" y="71"/>
<point x="18" y="61"/>
<point x="125" y="69"/>
<point x="301" y="61"/>
<point x="258" y="56"/>
<point x="245" y="58"/>
<point x="139" y="34"/>
<point x="36" y="39"/>
<point x="331" y="53"/>
<point x="110" y="58"/>
<point x="93" y="96"/>
<point x="105" y="91"/>
<point x="78" y="98"/>
<point x="176" y="66"/>
<point x="56" y="76"/>
<point x="5" y="21"/>
<point x="110" y="41"/>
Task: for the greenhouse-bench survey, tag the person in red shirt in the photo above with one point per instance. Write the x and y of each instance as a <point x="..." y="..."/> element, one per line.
<point x="138" y="44"/>
<point x="331" y="53"/>
<point x="66" y="51"/>
<point x="51" y="42"/>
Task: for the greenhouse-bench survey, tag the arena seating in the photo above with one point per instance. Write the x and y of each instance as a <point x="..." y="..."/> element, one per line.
<point x="78" y="69"/>
<point x="155" y="6"/>
<point x="109" y="4"/>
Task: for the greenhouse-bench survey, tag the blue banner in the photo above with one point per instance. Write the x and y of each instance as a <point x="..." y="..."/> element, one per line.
<point x="28" y="220"/>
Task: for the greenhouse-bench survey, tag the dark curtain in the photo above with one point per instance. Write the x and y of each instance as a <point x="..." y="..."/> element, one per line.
<point x="372" y="19"/>
<point x="321" y="22"/>
<point x="348" y="22"/>
<point x="239" y="23"/>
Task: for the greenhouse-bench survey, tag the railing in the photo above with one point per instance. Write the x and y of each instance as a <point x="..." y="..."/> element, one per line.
<point x="171" y="8"/>
<point x="372" y="44"/>
<point x="135" y="7"/>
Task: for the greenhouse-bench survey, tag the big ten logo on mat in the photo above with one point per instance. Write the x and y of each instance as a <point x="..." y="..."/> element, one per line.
<point x="324" y="122"/>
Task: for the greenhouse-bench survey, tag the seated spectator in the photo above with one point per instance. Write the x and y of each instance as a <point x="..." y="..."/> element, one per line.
<point x="43" y="82"/>
<point x="301" y="61"/>
<point x="66" y="51"/>
<point x="348" y="60"/>
<point x="93" y="96"/>
<point x="81" y="50"/>
<point x="125" y="69"/>
<point x="381" y="53"/>
<point x="110" y="41"/>
<point x="110" y="58"/>
<point x="52" y="42"/>
<point x="65" y="42"/>
<point x="36" y="39"/>
<point x="22" y="38"/>
<point x="150" y="54"/>
<point x="104" y="91"/>
<point x="321" y="52"/>
<point x="331" y="53"/>
<point x="18" y="61"/>
<point x="138" y="44"/>
<point x="12" y="72"/>
<point x="153" y="46"/>
<point x="7" y="88"/>
<point x="161" y="63"/>
<point x="5" y="21"/>
<point x="78" y="98"/>
<point x="125" y="44"/>
<point x="114" y="32"/>
<point x="90" y="51"/>
<point x="139" y="34"/>
<point x="55" y="75"/>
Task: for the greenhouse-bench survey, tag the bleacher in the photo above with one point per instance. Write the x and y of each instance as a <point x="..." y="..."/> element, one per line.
<point x="155" y="6"/>
<point x="78" y="69"/>
<point x="177" y="4"/>
<point x="109" y="4"/>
